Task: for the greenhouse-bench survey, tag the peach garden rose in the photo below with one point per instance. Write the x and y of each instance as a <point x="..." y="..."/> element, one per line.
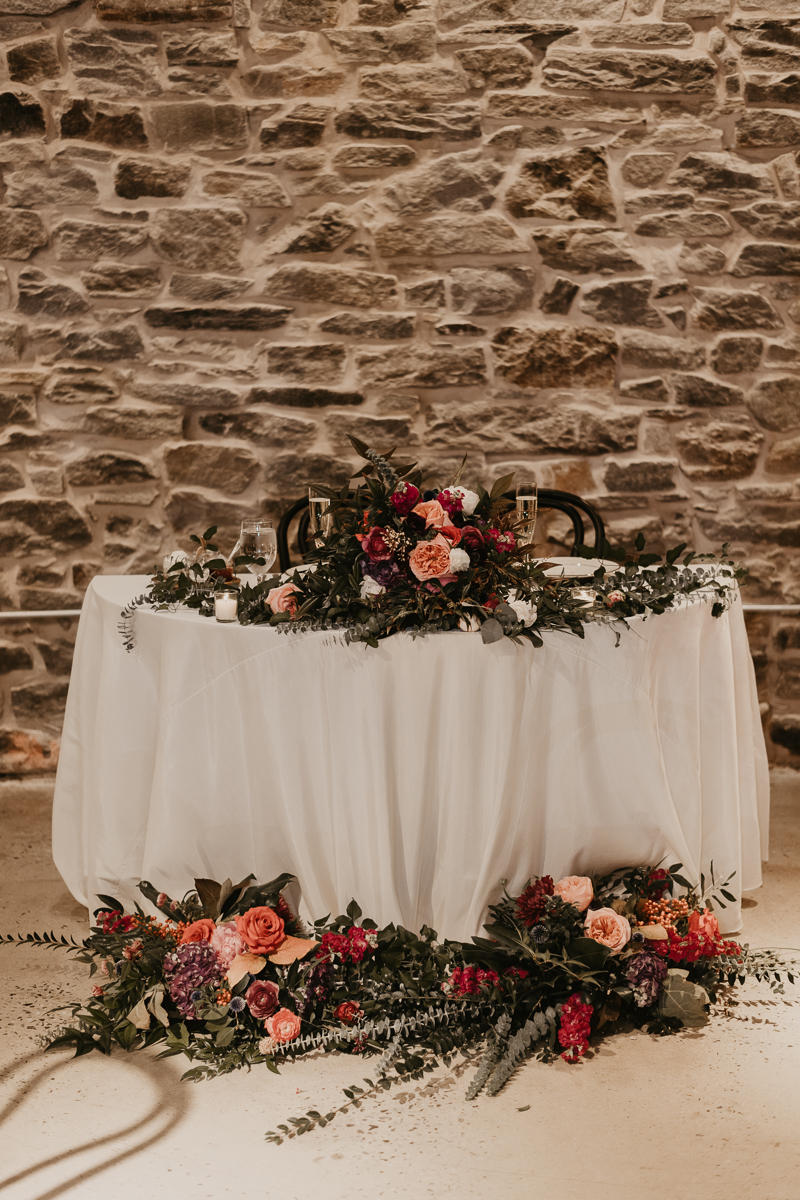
<point x="430" y="560"/>
<point x="608" y="927"/>
<point x="575" y="889"/>
<point x="282" y="599"/>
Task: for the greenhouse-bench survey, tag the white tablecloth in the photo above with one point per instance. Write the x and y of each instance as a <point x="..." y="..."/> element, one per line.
<point x="413" y="777"/>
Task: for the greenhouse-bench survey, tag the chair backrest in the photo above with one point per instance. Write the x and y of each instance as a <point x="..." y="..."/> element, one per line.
<point x="565" y="502"/>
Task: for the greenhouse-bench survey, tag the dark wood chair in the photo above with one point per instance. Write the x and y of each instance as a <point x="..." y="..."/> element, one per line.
<point x="565" y="502"/>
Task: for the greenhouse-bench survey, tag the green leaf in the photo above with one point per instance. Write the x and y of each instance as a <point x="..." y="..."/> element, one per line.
<point x="501" y="485"/>
<point x="675" y="553"/>
<point x="684" y="1000"/>
<point x="588" y="952"/>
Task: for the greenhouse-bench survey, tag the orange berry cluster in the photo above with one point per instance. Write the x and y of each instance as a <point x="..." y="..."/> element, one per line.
<point x="150" y="927"/>
<point x="666" y="913"/>
<point x="223" y="997"/>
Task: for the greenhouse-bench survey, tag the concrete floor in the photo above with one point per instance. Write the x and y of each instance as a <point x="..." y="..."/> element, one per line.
<point x="702" y="1116"/>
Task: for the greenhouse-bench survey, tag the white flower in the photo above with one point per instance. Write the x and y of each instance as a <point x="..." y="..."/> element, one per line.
<point x="370" y="588"/>
<point x="469" y="624"/>
<point x="525" y="610"/>
<point x="459" y="560"/>
<point x="177" y="556"/>
<point x="468" y="499"/>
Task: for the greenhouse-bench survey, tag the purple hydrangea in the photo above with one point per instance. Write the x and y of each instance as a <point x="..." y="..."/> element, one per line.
<point x="385" y="573"/>
<point x="191" y="967"/>
<point x="646" y="973"/>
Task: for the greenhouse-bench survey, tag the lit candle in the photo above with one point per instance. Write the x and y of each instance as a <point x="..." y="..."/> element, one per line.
<point x="225" y="605"/>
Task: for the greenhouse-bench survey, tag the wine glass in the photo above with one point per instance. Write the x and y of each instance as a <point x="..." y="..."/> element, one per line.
<point x="527" y="507"/>
<point x="257" y="539"/>
<point x="320" y="521"/>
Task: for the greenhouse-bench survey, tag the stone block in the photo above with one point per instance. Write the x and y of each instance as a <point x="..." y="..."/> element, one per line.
<point x="40" y="702"/>
<point x="317" y="363"/>
<point x="733" y="355"/>
<point x="198" y="125"/>
<point x="787" y="637"/>
<point x="653" y="390"/>
<point x="172" y="11"/>
<point x="773" y="219"/>
<point x="320" y="283"/>
<point x="21" y="233"/>
<point x="422" y="366"/>
<point x="387" y="327"/>
<point x="304" y="125"/>
<point x="720" y="309"/>
<point x="646" y="33"/>
<point x="443" y="182"/>
<point x="14" y="657"/>
<point x="105" y="122"/>
<point x="508" y="66"/>
<point x="784" y="457"/>
<point x="759" y="258"/>
<point x="586" y="250"/>
<point x="422" y="84"/>
<point x="655" y="353"/>
<point x="254" y="191"/>
<point x="697" y="391"/>
<point x="624" y="302"/>
<point x="121" y="279"/>
<point x="375" y="431"/>
<point x="305" y="14"/>
<point x="11" y="480"/>
<point x="450" y="122"/>
<point x="134" y="421"/>
<point x="557" y="300"/>
<point x="21" y="116"/>
<point x="136" y="177"/>
<point x="46" y="473"/>
<point x="106" y="345"/>
<point x="373" y="158"/>
<point x="643" y="170"/>
<point x="760" y="127"/>
<point x="567" y="186"/>
<point x="198" y="48"/>
<point x="702" y="260"/>
<point x="27" y="524"/>
<point x="533" y="10"/>
<point x="318" y="232"/>
<point x="722" y="175"/>
<point x="521" y="107"/>
<point x="292" y="80"/>
<point x="87" y="239"/>
<point x="718" y="450"/>
<point x="629" y="71"/>
<point x="775" y="403"/>
<point x="79" y="389"/>
<point x="481" y="291"/>
<point x="648" y="202"/>
<point x="556" y="356"/>
<point x="427" y="294"/>
<point x="551" y="429"/>
<point x="250" y="317"/>
<point x="784" y="730"/>
<point x="199" y="238"/>
<point x="410" y="41"/>
<point x="273" y="430"/>
<point x="788" y="685"/>
<point x="288" y="474"/>
<point x="190" y="395"/>
<point x="60" y="184"/>
<point x="207" y="287"/>
<point x="446" y="233"/>
<point x="33" y="62"/>
<point x="517" y="137"/>
<point x="114" y="63"/>
<point x="298" y="397"/>
<point x="228" y="468"/>
<point x="683" y="225"/>
<point x="39" y="296"/>
<point x="57" y="654"/>
<point x="639" y="475"/>
<point x="12" y="340"/>
<point x="97" y="468"/>
<point x="693" y="10"/>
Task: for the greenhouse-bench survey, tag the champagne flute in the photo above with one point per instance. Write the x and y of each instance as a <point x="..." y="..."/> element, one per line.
<point x="257" y="539"/>
<point x="319" y="519"/>
<point x="527" y="508"/>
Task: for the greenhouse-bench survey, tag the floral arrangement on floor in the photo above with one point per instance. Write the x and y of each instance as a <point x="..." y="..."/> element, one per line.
<point x="229" y="977"/>
<point x="397" y="559"/>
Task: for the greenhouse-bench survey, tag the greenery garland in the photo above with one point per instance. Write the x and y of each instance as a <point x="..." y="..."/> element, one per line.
<point x="397" y="559"/>
<point x="229" y="978"/>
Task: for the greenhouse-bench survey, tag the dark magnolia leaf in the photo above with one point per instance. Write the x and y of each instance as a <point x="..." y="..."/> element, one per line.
<point x="588" y="952"/>
<point x="675" y="553"/>
<point x="501" y="485"/>
<point x="728" y="896"/>
<point x="109" y="902"/>
<point x="209" y="533"/>
<point x="208" y="890"/>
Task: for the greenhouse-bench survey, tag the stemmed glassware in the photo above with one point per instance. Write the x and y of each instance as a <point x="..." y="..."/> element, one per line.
<point x="320" y="521"/>
<point x="527" y="507"/>
<point x="257" y="539"/>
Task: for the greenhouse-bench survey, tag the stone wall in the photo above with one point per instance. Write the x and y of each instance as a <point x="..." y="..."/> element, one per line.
<point x="554" y="232"/>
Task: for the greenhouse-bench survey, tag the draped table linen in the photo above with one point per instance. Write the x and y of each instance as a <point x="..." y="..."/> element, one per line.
<point x="414" y="777"/>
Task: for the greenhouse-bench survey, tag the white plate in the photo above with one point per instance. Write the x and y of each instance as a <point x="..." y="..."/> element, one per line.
<point x="576" y="568"/>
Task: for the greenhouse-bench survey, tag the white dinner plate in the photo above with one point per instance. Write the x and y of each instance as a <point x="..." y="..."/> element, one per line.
<point x="576" y="568"/>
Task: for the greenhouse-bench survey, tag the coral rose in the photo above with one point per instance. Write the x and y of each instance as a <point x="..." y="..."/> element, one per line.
<point x="348" y="1012"/>
<point x="608" y="927"/>
<point x="282" y="599"/>
<point x="575" y="889"/>
<point x="262" y="930"/>
<point x="262" y="998"/>
<point x="284" y="1026"/>
<point x="430" y="560"/>
<point x="432" y="514"/>
<point x="198" y="931"/>
<point x="704" y="922"/>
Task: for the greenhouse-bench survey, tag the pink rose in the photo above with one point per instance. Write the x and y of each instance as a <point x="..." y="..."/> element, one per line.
<point x="374" y="545"/>
<point x="284" y="1026"/>
<point x="607" y="927"/>
<point x="198" y="931"/>
<point x="430" y="560"/>
<point x="227" y="942"/>
<point x="615" y="597"/>
<point x="281" y="599"/>
<point x="432" y="513"/>
<point x="575" y="889"/>
<point x="704" y="922"/>
<point x="262" y="998"/>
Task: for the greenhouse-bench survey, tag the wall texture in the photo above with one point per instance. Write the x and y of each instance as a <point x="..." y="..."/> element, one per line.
<point x="554" y="232"/>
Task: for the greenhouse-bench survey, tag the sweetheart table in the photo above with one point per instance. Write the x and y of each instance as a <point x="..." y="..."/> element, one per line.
<point x="414" y="777"/>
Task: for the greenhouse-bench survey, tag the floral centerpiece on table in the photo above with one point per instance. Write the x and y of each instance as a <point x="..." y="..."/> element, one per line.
<point x="229" y="978"/>
<point x="398" y="558"/>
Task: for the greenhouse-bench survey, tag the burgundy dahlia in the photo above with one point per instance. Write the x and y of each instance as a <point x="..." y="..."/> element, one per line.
<point x="192" y="966"/>
<point x="533" y="901"/>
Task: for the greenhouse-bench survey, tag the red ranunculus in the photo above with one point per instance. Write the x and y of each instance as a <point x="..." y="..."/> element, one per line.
<point x="348" y="1012"/>
<point x="472" y="538"/>
<point x="262" y="998"/>
<point x="374" y="546"/>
